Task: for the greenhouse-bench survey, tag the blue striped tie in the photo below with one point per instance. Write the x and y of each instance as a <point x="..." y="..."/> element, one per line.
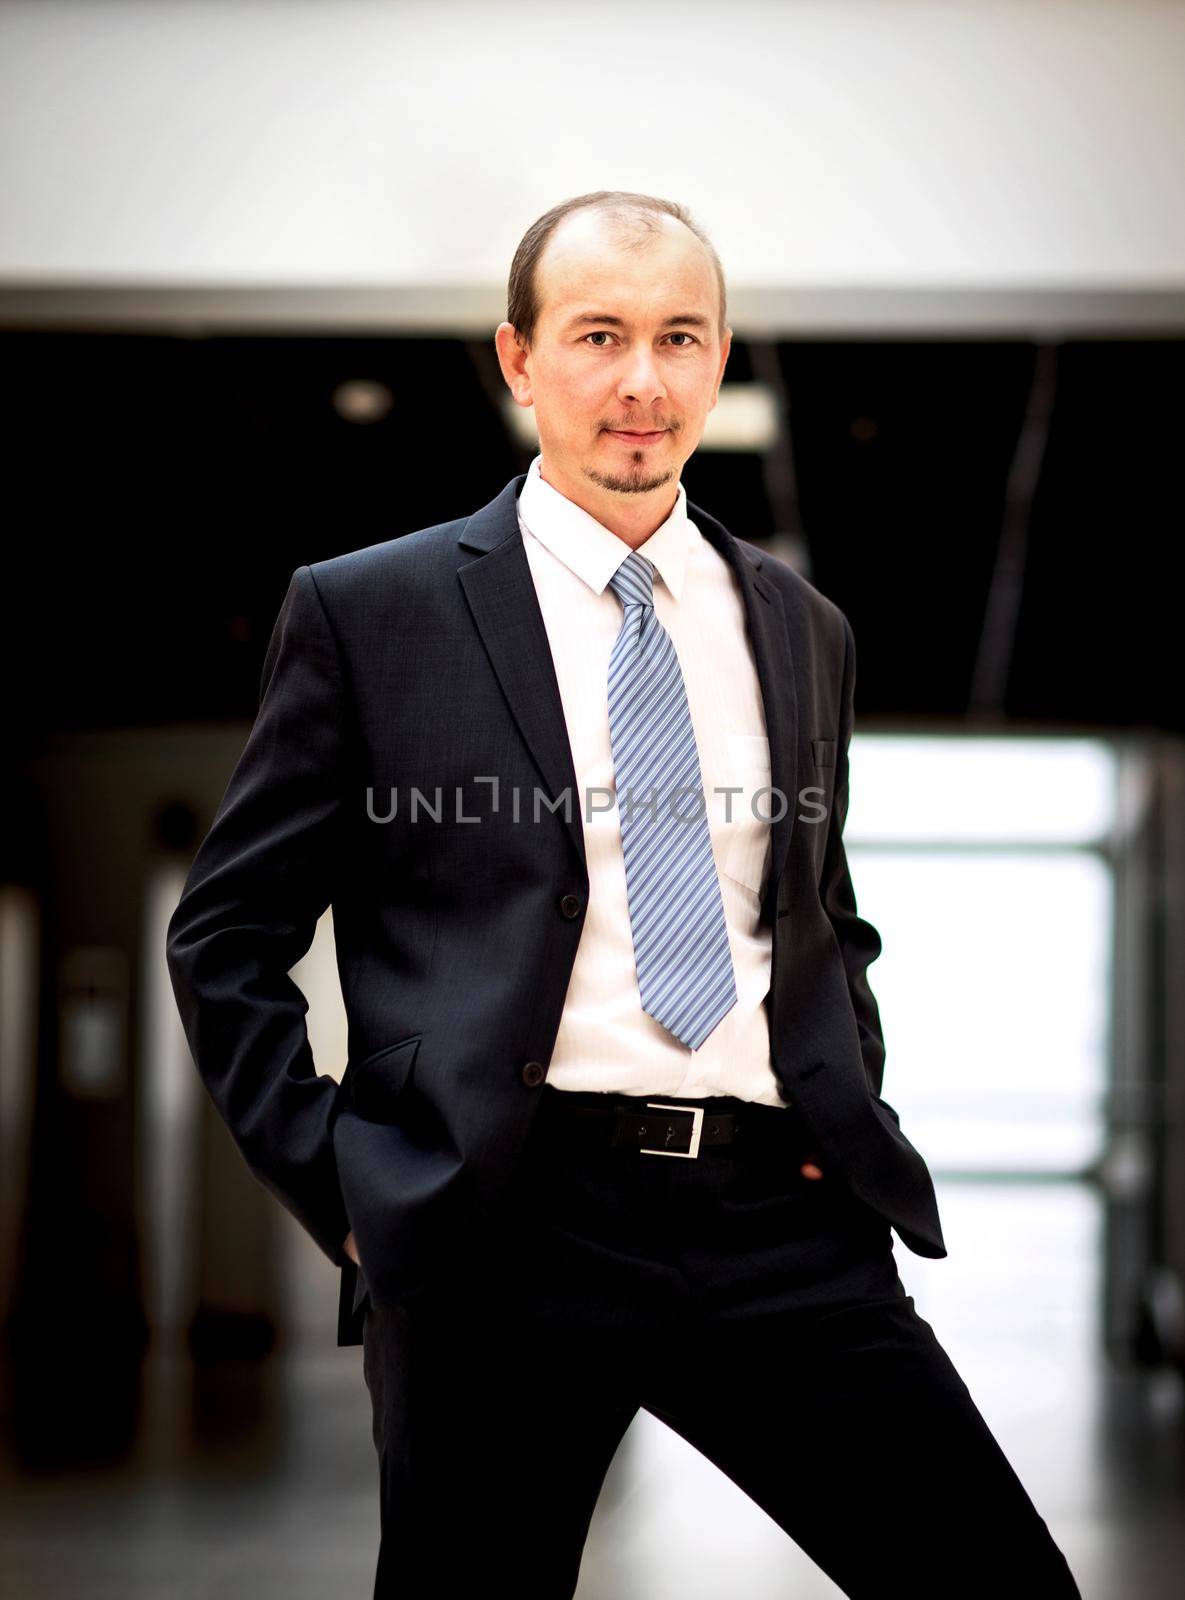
<point x="677" y="916"/>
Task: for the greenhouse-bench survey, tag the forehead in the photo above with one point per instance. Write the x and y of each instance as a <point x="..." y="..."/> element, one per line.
<point x="590" y="259"/>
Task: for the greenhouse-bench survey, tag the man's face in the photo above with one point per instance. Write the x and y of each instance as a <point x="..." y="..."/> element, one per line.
<point x="627" y="342"/>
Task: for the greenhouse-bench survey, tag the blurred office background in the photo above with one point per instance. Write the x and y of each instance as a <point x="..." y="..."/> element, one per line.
<point x="251" y="260"/>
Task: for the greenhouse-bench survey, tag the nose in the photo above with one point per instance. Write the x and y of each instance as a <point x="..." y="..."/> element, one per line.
<point x="640" y="382"/>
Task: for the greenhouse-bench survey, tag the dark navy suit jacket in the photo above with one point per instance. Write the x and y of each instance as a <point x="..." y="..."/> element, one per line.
<point x="420" y="663"/>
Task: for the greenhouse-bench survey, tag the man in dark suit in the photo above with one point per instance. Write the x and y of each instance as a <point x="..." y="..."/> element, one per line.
<point x="610" y="1133"/>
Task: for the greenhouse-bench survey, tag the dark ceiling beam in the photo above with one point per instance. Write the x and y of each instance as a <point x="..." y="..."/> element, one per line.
<point x="447" y="311"/>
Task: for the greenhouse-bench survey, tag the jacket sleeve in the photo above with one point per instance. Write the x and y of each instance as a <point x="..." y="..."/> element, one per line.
<point x="259" y="882"/>
<point x="859" y="942"/>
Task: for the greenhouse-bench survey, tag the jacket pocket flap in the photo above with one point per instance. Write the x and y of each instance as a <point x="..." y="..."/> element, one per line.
<point x="886" y="1107"/>
<point x="376" y="1083"/>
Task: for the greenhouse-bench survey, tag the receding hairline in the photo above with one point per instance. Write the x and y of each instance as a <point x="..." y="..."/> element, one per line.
<point x="632" y="230"/>
<point x="633" y="222"/>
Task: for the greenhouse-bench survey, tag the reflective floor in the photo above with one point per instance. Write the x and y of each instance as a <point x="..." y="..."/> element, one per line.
<point x="263" y="1481"/>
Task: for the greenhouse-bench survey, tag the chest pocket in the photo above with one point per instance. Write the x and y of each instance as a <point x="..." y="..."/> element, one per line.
<point x="745" y="856"/>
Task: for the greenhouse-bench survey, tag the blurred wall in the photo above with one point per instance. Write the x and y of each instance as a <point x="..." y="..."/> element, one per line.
<point x="892" y="142"/>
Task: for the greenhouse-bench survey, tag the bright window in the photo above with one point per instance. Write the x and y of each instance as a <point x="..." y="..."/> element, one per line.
<point x="984" y="865"/>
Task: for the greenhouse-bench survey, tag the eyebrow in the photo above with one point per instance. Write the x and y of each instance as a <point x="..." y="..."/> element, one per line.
<point x="603" y="319"/>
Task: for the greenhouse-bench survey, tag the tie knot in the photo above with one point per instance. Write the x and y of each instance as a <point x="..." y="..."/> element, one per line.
<point x="633" y="582"/>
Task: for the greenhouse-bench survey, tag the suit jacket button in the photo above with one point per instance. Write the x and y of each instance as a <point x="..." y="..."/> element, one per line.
<point x="534" y="1073"/>
<point x="570" y="905"/>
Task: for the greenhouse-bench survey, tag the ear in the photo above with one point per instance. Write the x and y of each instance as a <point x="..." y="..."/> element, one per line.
<point x="725" y="348"/>
<point x="513" y="360"/>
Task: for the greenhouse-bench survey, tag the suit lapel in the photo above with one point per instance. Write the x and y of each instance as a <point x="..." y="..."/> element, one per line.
<point x="501" y="595"/>
<point x="774" y="661"/>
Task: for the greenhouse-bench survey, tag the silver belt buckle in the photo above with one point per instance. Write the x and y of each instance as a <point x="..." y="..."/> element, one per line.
<point x="697" y="1115"/>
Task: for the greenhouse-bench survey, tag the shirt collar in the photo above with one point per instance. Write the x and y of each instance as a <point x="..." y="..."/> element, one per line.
<point x="591" y="550"/>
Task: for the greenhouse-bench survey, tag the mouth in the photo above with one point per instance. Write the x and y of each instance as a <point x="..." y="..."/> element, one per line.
<point x="629" y="438"/>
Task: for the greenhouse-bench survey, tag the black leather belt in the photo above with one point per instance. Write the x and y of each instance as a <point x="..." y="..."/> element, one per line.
<point x="672" y="1128"/>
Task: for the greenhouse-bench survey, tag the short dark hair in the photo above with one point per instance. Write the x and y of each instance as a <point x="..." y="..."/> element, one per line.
<point x="636" y="216"/>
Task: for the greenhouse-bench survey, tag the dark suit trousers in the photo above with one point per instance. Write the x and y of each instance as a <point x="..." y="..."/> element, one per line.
<point x="756" y="1312"/>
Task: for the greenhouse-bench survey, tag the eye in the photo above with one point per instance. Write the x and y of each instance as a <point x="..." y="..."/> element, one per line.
<point x="602" y="333"/>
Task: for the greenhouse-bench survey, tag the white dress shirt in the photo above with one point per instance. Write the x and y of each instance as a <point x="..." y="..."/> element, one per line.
<point x="606" y="1041"/>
